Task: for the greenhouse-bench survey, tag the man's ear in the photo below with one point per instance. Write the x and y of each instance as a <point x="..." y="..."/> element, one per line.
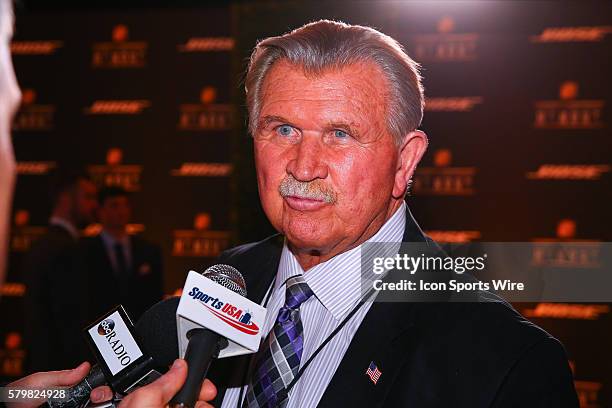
<point x="411" y="150"/>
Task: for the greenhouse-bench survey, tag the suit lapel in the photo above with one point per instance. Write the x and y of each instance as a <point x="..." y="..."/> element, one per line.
<point x="381" y="339"/>
<point x="261" y="275"/>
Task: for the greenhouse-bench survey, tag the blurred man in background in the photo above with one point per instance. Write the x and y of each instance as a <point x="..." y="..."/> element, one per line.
<point x="73" y="208"/>
<point x="53" y="280"/>
<point x="121" y="268"/>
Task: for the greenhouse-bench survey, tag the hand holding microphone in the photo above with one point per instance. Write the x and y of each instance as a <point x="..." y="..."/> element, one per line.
<point x="214" y="319"/>
<point x="158" y="393"/>
<point x="212" y="315"/>
<point x="157" y="329"/>
<point x="49" y="379"/>
<point x="128" y="356"/>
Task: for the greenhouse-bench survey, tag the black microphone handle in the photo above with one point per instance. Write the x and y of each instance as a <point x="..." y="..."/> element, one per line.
<point x="78" y="394"/>
<point x="203" y="346"/>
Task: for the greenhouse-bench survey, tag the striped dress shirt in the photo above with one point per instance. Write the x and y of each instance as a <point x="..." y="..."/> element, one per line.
<point x="336" y="284"/>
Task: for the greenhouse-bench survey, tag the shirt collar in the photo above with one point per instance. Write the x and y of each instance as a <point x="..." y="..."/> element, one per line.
<point x="110" y="241"/>
<point x="67" y="225"/>
<point x="337" y="282"/>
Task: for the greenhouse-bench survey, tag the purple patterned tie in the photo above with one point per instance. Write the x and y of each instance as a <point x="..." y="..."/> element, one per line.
<point x="279" y="359"/>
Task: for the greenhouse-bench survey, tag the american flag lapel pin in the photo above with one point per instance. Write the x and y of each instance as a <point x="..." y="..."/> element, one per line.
<point x="373" y="372"/>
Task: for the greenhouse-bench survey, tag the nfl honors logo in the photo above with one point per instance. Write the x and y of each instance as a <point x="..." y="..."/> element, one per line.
<point x="565" y="251"/>
<point x="119" y="53"/>
<point x="33" y="116"/>
<point x="22" y="233"/>
<point x="445" y="46"/>
<point x="114" y="173"/>
<point x="207" y="115"/>
<point x="12" y="355"/>
<point x="568" y="112"/>
<point x="442" y="179"/>
<point x="200" y="241"/>
<point x="588" y="391"/>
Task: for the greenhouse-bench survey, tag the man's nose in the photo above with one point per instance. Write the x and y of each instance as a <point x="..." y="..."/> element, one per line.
<point x="307" y="162"/>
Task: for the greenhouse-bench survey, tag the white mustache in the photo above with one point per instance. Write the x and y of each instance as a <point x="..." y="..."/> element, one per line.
<point x="313" y="190"/>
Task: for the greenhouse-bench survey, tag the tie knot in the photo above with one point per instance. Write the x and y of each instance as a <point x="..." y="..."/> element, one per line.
<point x="297" y="292"/>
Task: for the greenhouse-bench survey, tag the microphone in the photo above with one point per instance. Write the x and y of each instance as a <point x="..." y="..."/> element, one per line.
<point x="157" y="335"/>
<point x="214" y="319"/>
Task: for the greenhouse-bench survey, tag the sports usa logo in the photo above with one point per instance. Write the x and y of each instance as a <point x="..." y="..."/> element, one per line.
<point x="228" y="313"/>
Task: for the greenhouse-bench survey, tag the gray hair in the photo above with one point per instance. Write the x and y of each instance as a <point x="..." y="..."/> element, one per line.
<point x="326" y="44"/>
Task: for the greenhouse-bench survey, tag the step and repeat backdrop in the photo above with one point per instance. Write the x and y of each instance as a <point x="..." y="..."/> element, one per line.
<point x="517" y="113"/>
<point x="138" y="99"/>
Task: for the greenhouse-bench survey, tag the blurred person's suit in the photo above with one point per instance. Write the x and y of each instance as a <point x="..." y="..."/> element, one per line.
<point x="53" y="308"/>
<point x="53" y="313"/>
<point x="134" y="281"/>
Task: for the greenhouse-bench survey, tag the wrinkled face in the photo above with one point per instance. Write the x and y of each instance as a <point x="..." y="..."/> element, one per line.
<point x="115" y="212"/>
<point x="326" y="164"/>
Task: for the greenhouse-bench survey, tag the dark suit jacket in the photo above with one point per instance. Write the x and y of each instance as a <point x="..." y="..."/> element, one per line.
<point x="142" y="288"/>
<point x="51" y="309"/>
<point x="431" y="354"/>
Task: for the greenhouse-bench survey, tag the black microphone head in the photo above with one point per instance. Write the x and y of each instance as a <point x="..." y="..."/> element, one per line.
<point x="157" y="333"/>
<point x="228" y="277"/>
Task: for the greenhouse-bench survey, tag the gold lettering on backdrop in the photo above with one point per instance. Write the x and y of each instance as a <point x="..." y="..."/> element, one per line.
<point x="442" y="179"/>
<point x="119" y="53"/>
<point x="568" y="112"/>
<point x="33" y="116"/>
<point x="445" y="45"/>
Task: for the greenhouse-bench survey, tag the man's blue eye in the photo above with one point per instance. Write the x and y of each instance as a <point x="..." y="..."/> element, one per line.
<point x="340" y="133"/>
<point x="285" y="130"/>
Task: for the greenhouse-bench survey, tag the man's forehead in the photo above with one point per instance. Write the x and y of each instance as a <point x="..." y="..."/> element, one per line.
<point x="341" y="76"/>
<point x="354" y="89"/>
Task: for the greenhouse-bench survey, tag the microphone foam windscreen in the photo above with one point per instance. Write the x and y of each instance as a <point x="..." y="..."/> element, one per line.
<point x="157" y="333"/>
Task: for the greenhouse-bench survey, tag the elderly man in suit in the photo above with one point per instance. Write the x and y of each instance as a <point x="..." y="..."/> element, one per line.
<point x="334" y="111"/>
